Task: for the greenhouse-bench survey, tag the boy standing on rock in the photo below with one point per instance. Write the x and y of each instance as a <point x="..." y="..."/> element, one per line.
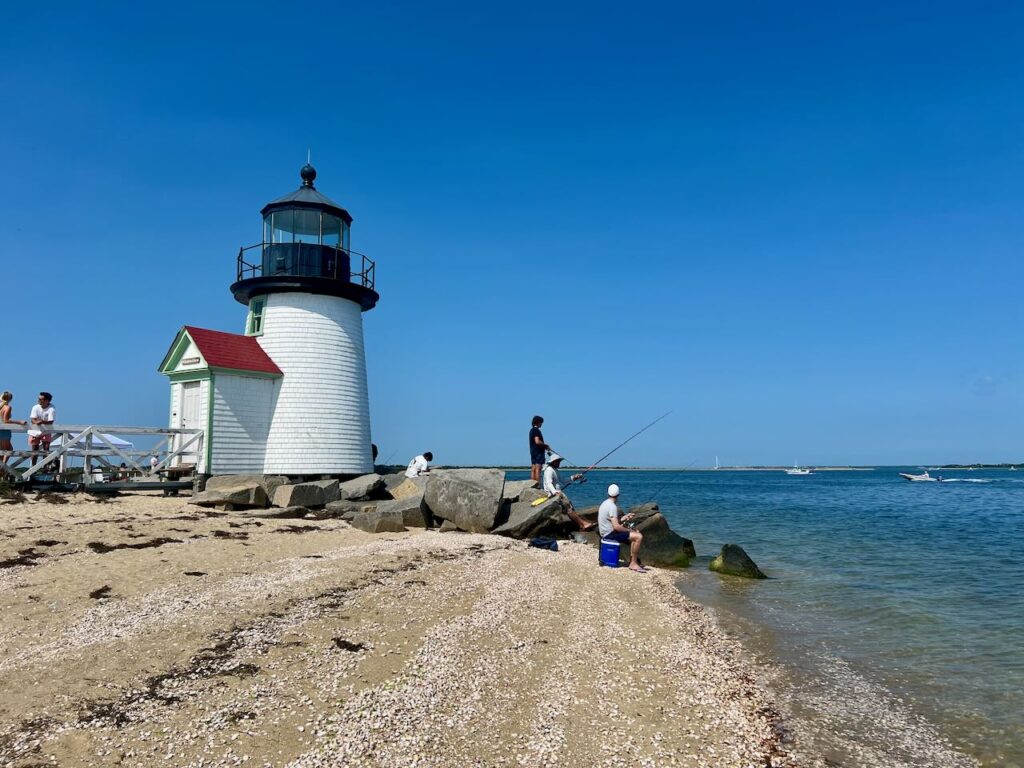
<point x="537" y="448"/>
<point x="610" y="526"/>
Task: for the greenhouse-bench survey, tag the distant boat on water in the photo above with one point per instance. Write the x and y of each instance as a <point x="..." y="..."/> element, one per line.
<point x="799" y="470"/>
<point x="716" y="463"/>
<point x="924" y="477"/>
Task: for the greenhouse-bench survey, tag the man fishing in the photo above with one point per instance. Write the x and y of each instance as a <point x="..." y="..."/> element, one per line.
<point x="611" y="527"/>
<point x="553" y="487"/>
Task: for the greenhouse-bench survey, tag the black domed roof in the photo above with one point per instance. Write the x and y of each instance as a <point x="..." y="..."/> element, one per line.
<point x="307" y="196"/>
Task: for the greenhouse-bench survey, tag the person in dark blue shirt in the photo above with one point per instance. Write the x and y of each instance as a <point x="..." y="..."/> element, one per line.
<point x="537" y="448"/>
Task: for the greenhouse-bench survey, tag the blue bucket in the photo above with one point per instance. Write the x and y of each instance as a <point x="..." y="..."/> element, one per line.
<point x="609" y="553"/>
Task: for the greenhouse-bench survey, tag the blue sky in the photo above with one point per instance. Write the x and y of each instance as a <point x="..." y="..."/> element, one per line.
<point x="798" y="226"/>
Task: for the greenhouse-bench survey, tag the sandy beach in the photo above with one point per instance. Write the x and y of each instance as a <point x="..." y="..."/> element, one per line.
<point x="141" y="630"/>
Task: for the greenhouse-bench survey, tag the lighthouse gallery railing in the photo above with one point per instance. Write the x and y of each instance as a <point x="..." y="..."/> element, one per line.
<point x="306" y="260"/>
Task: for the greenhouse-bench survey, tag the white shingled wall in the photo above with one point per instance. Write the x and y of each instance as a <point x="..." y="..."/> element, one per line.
<point x="321" y="424"/>
<point x="242" y="409"/>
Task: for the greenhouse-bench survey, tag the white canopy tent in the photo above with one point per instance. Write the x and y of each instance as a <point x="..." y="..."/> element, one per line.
<point x="98" y="447"/>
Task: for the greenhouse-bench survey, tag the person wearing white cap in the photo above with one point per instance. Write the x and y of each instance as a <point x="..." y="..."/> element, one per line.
<point x="553" y="487"/>
<point x="610" y="526"/>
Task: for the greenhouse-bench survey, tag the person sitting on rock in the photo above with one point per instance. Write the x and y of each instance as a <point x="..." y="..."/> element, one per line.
<point x="420" y="465"/>
<point x="553" y="487"/>
<point x="611" y="527"/>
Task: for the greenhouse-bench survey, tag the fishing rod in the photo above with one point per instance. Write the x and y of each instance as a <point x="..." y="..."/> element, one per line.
<point x="578" y="477"/>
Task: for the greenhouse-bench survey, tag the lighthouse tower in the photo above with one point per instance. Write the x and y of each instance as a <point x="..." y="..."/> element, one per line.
<point x="306" y="291"/>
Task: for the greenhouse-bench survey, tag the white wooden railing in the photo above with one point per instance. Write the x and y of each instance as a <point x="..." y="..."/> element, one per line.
<point x="173" y="447"/>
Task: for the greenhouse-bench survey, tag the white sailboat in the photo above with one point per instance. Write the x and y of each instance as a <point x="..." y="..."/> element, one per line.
<point x="716" y="463"/>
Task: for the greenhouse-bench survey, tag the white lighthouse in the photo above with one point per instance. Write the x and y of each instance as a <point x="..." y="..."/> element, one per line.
<point x="289" y="396"/>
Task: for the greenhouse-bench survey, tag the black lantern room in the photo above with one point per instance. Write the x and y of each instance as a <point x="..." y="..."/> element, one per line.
<point x="305" y="248"/>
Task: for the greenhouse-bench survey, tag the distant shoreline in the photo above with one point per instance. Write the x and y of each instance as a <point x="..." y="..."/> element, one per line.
<point x="679" y="469"/>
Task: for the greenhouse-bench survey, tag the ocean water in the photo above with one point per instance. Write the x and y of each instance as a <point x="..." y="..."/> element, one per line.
<point x="893" y="610"/>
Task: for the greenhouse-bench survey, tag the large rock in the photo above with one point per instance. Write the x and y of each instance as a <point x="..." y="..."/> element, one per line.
<point x="469" y="498"/>
<point x="269" y="483"/>
<point x="662" y="546"/>
<point x="526" y="521"/>
<point x="394" y="480"/>
<point x="278" y="512"/>
<point x="299" y="495"/>
<point x="244" y="495"/>
<point x="377" y="520"/>
<point x="513" y="489"/>
<point x="531" y="494"/>
<point x="346" y="510"/>
<point x="411" y="509"/>
<point x="366" y="487"/>
<point x="411" y="486"/>
<point x="656" y="531"/>
<point x="735" y="562"/>
<point x="331" y="489"/>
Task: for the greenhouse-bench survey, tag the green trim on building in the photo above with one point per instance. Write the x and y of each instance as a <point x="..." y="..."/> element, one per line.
<point x="199" y="374"/>
<point x="243" y="372"/>
<point x="176" y="352"/>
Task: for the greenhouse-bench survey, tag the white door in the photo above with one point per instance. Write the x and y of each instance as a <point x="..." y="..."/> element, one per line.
<point x="189" y="415"/>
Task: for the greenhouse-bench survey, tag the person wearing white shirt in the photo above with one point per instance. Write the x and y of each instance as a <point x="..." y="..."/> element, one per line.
<point x="420" y="465"/>
<point x="611" y="527"/>
<point x="43" y="415"/>
<point x="553" y="487"/>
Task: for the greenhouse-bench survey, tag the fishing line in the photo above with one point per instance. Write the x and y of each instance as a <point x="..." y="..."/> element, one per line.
<point x="666" y="483"/>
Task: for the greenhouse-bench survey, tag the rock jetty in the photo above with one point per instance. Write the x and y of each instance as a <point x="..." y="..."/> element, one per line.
<point x="450" y="500"/>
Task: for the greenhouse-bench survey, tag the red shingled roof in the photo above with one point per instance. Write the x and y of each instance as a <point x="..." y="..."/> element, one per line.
<point x="231" y="350"/>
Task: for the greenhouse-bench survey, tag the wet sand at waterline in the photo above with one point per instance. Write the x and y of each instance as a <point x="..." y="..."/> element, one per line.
<point x="140" y="631"/>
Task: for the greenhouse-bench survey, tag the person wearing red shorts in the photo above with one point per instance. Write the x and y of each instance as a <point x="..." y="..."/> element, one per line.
<point x="43" y="415"/>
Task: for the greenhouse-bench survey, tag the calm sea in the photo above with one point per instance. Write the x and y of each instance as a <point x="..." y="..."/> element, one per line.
<point x="894" y="610"/>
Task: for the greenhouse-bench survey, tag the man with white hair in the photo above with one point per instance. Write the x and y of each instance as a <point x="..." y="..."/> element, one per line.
<point x="610" y="526"/>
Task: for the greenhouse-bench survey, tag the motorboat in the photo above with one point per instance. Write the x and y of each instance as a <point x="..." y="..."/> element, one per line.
<point x="799" y="470"/>
<point x="924" y="477"/>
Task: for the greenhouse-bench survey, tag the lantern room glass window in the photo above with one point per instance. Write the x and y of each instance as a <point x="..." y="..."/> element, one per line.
<point x="298" y="225"/>
<point x="330" y="230"/>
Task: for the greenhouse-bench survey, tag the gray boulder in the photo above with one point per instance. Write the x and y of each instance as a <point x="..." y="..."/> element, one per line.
<point x="411" y="509"/>
<point x="394" y="480"/>
<point x="662" y="546"/>
<point x="277" y="512"/>
<point x="469" y="498"/>
<point x="513" y="489"/>
<point x="365" y="487"/>
<point x="377" y="520"/>
<point x="447" y="526"/>
<point x="331" y="489"/>
<point x="531" y="494"/>
<point x="244" y="495"/>
<point x="735" y="562"/>
<point x="346" y="510"/>
<point x="526" y="521"/>
<point x="411" y="486"/>
<point x="269" y="483"/>
<point x="299" y="495"/>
